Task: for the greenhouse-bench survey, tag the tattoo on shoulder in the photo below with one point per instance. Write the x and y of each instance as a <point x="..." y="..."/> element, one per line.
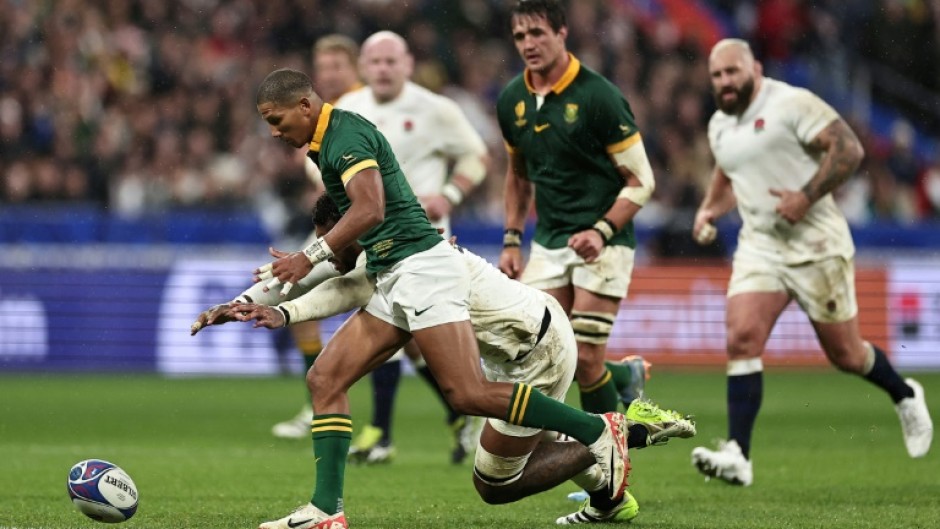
<point x="841" y="160"/>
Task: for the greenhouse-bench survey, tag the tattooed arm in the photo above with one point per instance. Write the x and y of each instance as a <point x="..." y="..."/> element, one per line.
<point x="844" y="153"/>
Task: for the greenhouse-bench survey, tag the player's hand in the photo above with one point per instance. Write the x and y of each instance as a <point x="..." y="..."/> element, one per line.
<point x="588" y="244"/>
<point x="288" y="269"/>
<point x="704" y="230"/>
<point x="215" y="315"/>
<point x="793" y="205"/>
<point x="263" y="315"/>
<point x="436" y="206"/>
<point x="510" y="262"/>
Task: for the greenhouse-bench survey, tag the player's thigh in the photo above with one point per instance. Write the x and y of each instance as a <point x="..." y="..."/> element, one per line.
<point x="451" y="353"/>
<point x="549" y="269"/>
<point x="825" y="289"/>
<point x="358" y="346"/>
<point x="750" y="319"/>
<point x="608" y="276"/>
<point x="503" y="445"/>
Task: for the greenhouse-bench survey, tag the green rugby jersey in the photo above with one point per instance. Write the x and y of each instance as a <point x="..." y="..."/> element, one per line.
<point x="566" y="144"/>
<point x="345" y="143"/>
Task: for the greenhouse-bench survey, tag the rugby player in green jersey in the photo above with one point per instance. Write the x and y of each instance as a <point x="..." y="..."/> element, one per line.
<point x="422" y="291"/>
<point x="575" y="149"/>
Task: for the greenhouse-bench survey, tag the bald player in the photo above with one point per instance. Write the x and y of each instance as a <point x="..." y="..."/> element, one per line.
<point x="444" y="159"/>
<point x="780" y="152"/>
<point x="335" y="73"/>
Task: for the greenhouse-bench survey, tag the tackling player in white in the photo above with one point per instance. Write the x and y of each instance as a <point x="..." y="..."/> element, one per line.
<point x="523" y="335"/>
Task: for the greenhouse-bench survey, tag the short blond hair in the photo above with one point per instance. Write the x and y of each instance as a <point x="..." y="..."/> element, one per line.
<point x="337" y="43"/>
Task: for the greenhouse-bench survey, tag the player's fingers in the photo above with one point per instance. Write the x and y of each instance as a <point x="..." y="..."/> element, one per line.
<point x="194" y="328"/>
<point x="776" y="192"/>
<point x="287" y="287"/>
<point x="272" y="283"/>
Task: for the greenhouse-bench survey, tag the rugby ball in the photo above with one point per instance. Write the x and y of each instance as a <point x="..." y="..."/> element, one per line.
<point x="102" y="491"/>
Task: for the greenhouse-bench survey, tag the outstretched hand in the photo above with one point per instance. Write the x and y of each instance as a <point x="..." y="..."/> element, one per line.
<point x="215" y="315"/>
<point x="288" y="269"/>
<point x="263" y="315"/>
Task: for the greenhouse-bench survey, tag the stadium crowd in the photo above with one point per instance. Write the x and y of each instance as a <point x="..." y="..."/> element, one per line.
<point x="144" y="105"/>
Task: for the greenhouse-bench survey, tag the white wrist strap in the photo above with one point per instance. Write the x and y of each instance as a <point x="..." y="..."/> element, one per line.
<point x="318" y="251"/>
<point x="452" y="193"/>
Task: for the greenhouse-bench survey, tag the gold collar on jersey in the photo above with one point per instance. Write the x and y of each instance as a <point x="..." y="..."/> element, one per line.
<point x="574" y="66"/>
<point x="322" y="123"/>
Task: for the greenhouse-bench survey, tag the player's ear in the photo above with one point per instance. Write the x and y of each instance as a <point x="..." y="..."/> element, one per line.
<point x="563" y="31"/>
<point x="758" y="69"/>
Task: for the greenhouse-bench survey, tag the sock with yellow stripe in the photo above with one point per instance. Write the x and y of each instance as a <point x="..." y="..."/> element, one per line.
<point x="331" y="437"/>
<point x="600" y="396"/>
<point x="530" y="407"/>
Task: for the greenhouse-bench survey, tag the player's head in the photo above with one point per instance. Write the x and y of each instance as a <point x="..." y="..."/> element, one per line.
<point x="735" y="75"/>
<point x="335" y="66"/>
<point x="539" y="30"/>
<point x="325" y="216"/>
<point x="286" y="100"/>
<point x="386" y="64"/>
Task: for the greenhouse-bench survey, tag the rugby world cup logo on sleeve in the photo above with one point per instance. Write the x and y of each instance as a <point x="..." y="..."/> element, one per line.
<point x="759" y="125"/>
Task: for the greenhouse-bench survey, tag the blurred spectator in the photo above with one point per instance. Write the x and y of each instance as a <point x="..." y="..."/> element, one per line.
<point x="143" y="105"/>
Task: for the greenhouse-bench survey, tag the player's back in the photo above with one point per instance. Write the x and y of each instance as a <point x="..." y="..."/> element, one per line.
<point x="506" y="314"/>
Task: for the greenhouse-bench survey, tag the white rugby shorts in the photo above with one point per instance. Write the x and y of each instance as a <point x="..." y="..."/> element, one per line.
<point x="423" y="290"/>
<point x="609" y="275"/>
<point x="548" y="367"/>
<point x="824" y="289"/>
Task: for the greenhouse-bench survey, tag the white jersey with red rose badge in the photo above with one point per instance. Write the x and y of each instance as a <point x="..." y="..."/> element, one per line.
<point x="767" y="148"/>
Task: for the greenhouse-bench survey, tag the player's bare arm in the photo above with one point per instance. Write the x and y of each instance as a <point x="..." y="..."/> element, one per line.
<point x="634" y="168"/>
<point x="367" y="209"/>
<point x="518" y="192"/>
<point x="844" y="153"/>
<point x="719" y="200"/>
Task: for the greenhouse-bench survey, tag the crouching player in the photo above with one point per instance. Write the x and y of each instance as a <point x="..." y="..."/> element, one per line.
<point x="523" y="336"/>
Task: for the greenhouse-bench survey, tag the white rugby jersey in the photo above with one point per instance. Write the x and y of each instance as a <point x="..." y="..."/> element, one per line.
<point x="427" y="131"/>
<point x="766" y="148"/>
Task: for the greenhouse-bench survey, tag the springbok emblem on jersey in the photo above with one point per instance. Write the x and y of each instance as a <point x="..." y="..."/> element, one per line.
<point x="520" y="114"/>
<point x="571" y="113"/>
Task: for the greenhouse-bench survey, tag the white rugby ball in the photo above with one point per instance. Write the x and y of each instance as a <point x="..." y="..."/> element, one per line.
<point x="102" y="491"/>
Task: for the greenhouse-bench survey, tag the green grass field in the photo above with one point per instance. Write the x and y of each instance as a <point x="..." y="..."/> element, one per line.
<point x="828" y="454"/>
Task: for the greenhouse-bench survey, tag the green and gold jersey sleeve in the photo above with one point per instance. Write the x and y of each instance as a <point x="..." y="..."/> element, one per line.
<point x="612" y="118"/>
<point x="350" y="144"/>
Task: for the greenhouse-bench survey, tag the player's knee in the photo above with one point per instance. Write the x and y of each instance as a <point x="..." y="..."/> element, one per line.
<point x="494" y="476"/>
<point x="592" y="327"/>
<point x="745" y="341"/>
<point x="324" y="384"/>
